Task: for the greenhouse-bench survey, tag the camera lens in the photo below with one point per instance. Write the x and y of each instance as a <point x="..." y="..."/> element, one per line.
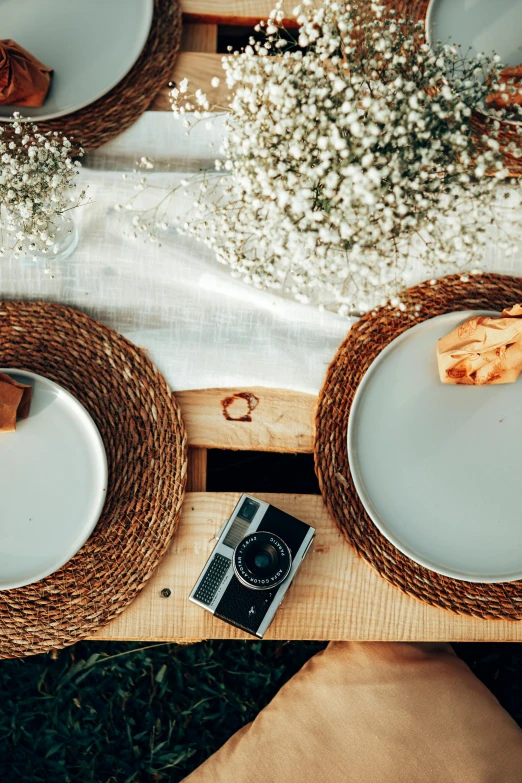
<point x="262" y="560"/>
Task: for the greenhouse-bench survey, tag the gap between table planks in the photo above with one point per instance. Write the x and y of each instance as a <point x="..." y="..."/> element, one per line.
<point x="336" y="595"/>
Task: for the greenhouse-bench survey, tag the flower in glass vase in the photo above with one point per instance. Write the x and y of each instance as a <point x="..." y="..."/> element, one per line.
<point x="37" y="173"/>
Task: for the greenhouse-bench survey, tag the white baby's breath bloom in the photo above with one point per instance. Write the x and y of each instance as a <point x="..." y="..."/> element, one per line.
<point x="146" y="162"/>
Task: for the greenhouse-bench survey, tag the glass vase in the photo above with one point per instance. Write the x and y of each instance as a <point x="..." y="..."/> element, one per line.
<point x="65" y="238"/>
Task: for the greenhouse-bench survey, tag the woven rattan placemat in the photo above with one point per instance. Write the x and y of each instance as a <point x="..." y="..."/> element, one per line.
<point x="145" y="442"/>
<point x="364" y="342"/>
<point x="111" y="114"/>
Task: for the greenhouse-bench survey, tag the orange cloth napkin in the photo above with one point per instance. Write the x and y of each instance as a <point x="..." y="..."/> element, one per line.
<point x="24" y="80"/>
<point x="15" y="402"/>
<point x="511" y="89"/>
<point x="483" y="350"/>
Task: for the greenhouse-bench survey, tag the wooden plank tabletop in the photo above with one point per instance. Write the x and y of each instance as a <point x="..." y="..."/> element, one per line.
<point x="336" y="595"/>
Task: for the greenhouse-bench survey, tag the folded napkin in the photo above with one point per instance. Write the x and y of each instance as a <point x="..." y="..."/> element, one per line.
<point x="24" y="80"/>
<point x="483" y="350"/>
<point x="510" y="94"/>
<point x="15" y="402"/>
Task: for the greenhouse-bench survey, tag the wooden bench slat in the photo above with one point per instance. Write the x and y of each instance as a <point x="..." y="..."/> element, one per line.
<point x="231" y="12"/>
<point x="336" y="595"/>
<point x="199" y="38"/>
<point x="197" y="470"/>
<point x="253" y="419"/>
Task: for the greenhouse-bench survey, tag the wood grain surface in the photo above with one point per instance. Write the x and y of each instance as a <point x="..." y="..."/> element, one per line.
<point x="197" y="469"/>
<point x="250" y="419"/>
<point x="231" y="12"/>
<point x="199" y="68"/>
<point x="335" y="595"/>
<point x="199" y="37"/>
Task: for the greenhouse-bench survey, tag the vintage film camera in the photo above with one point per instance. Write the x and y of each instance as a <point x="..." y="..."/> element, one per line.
<point x="257" y="555"/>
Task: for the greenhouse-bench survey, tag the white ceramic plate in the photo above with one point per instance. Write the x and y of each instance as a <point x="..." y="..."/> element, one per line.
<point x="488" y="26"/>
<point x="438" y="467"/>
<point x="90" y="44"/>
<point x="53" y="483"/>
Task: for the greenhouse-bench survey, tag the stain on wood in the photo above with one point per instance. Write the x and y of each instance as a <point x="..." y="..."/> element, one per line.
<point x="236" y="403"/>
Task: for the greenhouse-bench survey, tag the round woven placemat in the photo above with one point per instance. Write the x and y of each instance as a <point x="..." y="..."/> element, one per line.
<point x="111" y="114"/>
<point x="364" y="342"/>
<point x="144" y="437"/>
<point x="417" y="10"/>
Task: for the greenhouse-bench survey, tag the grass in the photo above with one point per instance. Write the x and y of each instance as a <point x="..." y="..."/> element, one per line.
<point x="128" y="713"/>
<point x="119" y="713"/>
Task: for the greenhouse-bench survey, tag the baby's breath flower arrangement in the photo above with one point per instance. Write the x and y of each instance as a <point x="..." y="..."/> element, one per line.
<point x="37" y="173"/>
<point x="349" y="151"/>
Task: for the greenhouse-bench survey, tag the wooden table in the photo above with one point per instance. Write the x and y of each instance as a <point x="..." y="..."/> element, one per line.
<point x="336" y="595"/>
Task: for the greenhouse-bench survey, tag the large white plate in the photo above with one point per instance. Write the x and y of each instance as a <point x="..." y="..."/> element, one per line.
<point x="439" y="467"/>
<point x="488" y="26"/>
<point x="90" y="44"/>
<point x="53" y="483"/>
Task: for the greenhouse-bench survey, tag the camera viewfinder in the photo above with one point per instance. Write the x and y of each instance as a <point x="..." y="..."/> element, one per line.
<point x="248" y="510"/>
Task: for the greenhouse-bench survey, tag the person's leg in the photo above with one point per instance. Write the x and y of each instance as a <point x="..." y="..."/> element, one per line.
<point x="375" y="713"/>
